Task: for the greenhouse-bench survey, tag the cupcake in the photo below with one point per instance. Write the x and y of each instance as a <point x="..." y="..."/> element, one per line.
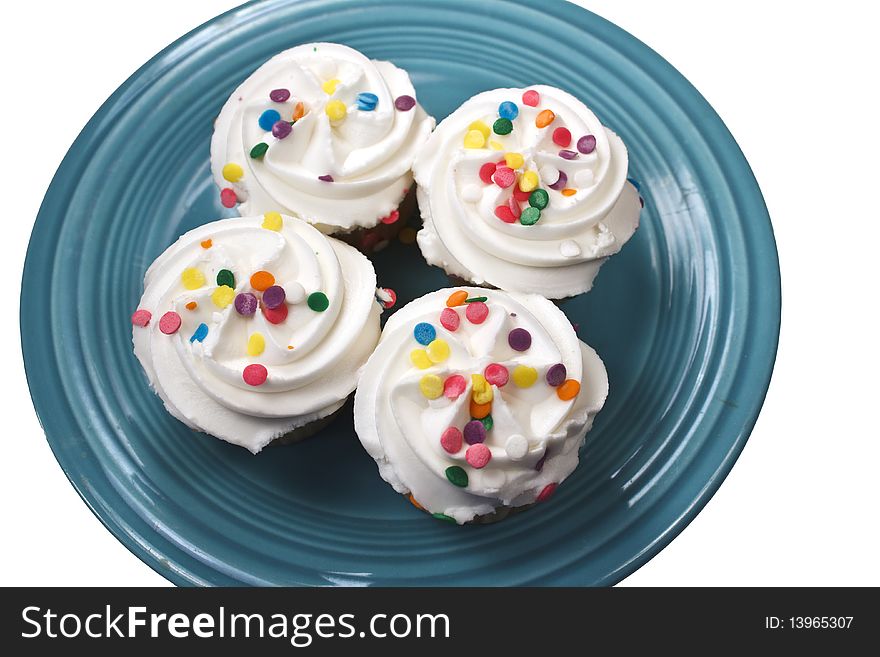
<point x="322" y="133"/>
<point x="476" y="402"/>
<point x="526" y="191"/>
<point x="254" y="329"/>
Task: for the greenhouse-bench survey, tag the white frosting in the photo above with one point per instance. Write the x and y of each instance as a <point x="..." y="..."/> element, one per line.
<point x="369" y="153"/>
<point x="202" y="384"/>
<point x="558" y="256"/>
<point x="401" y="428"/>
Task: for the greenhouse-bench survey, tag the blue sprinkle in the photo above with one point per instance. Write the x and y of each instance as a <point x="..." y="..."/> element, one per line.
<point x="634" y="183"/>
<point x="424" y="333"/>
<point x="508" y="110"/>
<point x="366" y="101"/>
<point x="200" y="334"/>
<point x="269" y="118"/>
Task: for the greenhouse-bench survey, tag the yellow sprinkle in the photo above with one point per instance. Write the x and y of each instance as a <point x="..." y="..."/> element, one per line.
<point x="329" y="86"/>
<point x="233" y="172"/>
<point x="482" y="127"/>
<point x="431" y="386"/>
<point x="407" y="235"/>
<point x="272" y="221"/>
<point x="528" y="182"/>
<point x="568" y="191"/>
<point x="496" y="146"/>
<point x="438" y="350"/>
<point x="336" y="110"/>
<point x="524" y="376"/>
<point x="481" y="390"/>
<point x="419" y="358"/>
<point x="256" y="344"/>
<point x="192" y="278"/>
<point x="474" y="139"/>
<point x="223" y="296"/>
<point x="514" y="160"/>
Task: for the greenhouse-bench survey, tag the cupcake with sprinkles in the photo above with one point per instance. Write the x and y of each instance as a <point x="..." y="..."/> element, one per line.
<point x="524" y="190"/>
<point x="326" y="134"/>
<point x="476" y="402"/>
<point x="254" y="329"/>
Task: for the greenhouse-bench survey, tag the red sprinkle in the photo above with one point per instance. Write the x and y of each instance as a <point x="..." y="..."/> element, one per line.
<point x="454" y="386"/>
<point x="275" y="315"/>
<point x="504" y="213"/>
<point x="451" y="440"/>
<point x="393" y="300"/>
<point x="496" y="374"/>
<point x="169" y="323"/>
<point x="486" y="172"/>
<point x="478" y="455"/>
<point x="547" y="493"/>
<point x="450" y="319"/>
<point x="504" y="177"/>
<point x="255" y="375"/>
<point x="513" y="204"/>
<point x="531" y="98"/>
<point x="391" y="218"/>
<point x="520" y="195"/>
<point x="562" y="137"/>
<point x="228" y="197"/>
<point x="477" y="312"/>
<point x="141" y="317"/>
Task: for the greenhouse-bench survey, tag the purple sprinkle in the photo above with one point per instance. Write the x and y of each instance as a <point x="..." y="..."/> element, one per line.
<point x="587" y="144"/>
<point x="519" y="339"/>
<point x="246" y="304"/>
<point x="326" y="177"/>
<point x="556" y="375"/>
<point x="279" y="95"/>
<point x="404" y="103"/>
<point x="281" y="129"/>
<point x="274" y="296"/>
<point x="474" y="432"/>
<point x="540" y="464"/>
<point x="561" y="183"/>
<point x="567" y="154"/>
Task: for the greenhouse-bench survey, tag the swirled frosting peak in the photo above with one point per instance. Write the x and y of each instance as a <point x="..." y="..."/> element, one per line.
<point x="321" y="132"/>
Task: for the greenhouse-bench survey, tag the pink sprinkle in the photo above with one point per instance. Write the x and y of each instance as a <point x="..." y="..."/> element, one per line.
<point x="477" y="312"/>
<point x="504" y="177"/>
<point x="547" y="493"/>
<point x="496" y="374"/>
<point x="562" y="137"/>
<point x="393" y="300"/>
<point x="486" y="172"/>
<point x="451" y="440"/>
<point x="169" y="323"/>
<point x="449" y="319"/>
<point x="513" y="204"/>
<point x="478" y="455"/>
<point x="228" y="197"/>
<point x="520" y="195"/>
<point x="255" y="375"/>
<point x="142" y="317"/>
<point x="454" y="386"/>
<point x="391" y="218"/>
<point x="531" y="98"/>
<point x="505" y="214"/>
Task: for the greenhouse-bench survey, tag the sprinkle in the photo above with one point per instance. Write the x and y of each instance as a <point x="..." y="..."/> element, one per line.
<point x="504" y="213"/>
<point x="281" y="129"/>
<point x="274" y="296"/>
<point x="223" y="296"/>
<point x="555" y="375"/>
<point x="496" y="145"/>
<point x="488" y="422"/>
<point x="232" y="172"/>
<point x="474" y="432"/>
<point x="269" y="118"/>
<point x="279" y="95"/>
<point x="262" y="280"/>
<point x="192" y="278"/>
<point x="207" y="244"/>
<point x="290" y="346"/>
<point x="586" y="144"/>
<point x="570" y="249"/>
<point x="454" y="386"/>
<point x="366" y="102"/>
<point x="456" y="298"/>
<point x="456" y="476"/>
<point x="515" y="209"/>
<point x="424" y="333"/>
<point x="451" y="439"/>
<point x="200" y="334"/>
<point x="391" y="218"/>
<point x="404" y="103"/>
<point x="519" y="194"/>
<point x="419" y="358"/>
<point x="514" y="160"/>
<point x="474" y="139"/>
<point x="478" y="456"/>
<point x="272" y="221"/>
<point x="519" y="339"/>
<point x="479" y="411"/>
<point x="561" y="182"/>
<point x="141" y="317"/>
<point x="528" y="182"/>
<point x="275" y="315"/>
<point x="561" y="137"/>
<point x="584" y="178"/>
<point x="567" y="154"/>
<point x="504" y="177"/>
<point x="568" y="191"/>
<point x="443" y="516"/>
<point x="431" y="386"/>
<point x="391" y="297"/>
<point x="329" y="86"/>
<point x="246" y="304"/>
<point x="255" y="375"/>
<point x="407" y="235"/>
<point x="192" y="305"/>
<point x="524" y="376"/>
<point x="335" y="110"/>
<point x="502" y="127"/>
<point x="539" y="199"/>
<point x="481" y="389"/>
<point x="473" y="299"/>
<point x="256" y="344"/>
<point x="530" y="216"/>
<point x="516" y="447"/>
<point x="531" y="98"/>
<point x="228" y="198"/>
<point x="544" y="118"/>
<point x="413" y="501"/>
<point x="508" y="110"/>
<point x="546" y="493"/>
<point x="496" y="374"/>
<point x="568" y="390"/>
<point x="318" y="302"/>
<point x="487" y="171"/>
<point x="438" y="350"/>
<point x="540" y="464"/>
<point x="225" y="277"/>
<point x="326" y="178"/>
<point x="259" y="150"/>
<point x="299" y="111"/>
<point x="477" y="312"/>
<point x="482" y="127"/>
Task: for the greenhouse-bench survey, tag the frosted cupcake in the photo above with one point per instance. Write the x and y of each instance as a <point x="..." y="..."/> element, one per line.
<point x="476" y="402"/>
<point x="524" y="190"/>
<point x="323" y="133"/>
<point x="254" y="329"/>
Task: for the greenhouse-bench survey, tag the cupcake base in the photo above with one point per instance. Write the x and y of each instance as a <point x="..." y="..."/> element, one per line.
<point x="308" y="430"/>
<point x="372" y="240"/>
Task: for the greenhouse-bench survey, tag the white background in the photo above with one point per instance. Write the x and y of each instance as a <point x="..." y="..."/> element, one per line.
<point x="796" y="83"/>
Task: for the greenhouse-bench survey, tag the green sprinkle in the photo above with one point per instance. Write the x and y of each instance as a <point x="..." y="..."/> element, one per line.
<point x="539" y="199"/>
<point x="442" y="516"/>
<point x="225" y="277"/>
<point x="488" y="423"/>
<point x="457" y="476"/>
<point x="258" y="151"/>
<point x="475" y="299"/>
<point x="502" y="127"/>
<point x="530" y="216"/>
<point x="318" y="302"/>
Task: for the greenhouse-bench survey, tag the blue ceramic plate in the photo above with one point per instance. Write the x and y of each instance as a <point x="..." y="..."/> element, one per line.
<point x="686" y="317"/>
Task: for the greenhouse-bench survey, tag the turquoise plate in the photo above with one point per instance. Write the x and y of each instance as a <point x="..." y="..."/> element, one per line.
<point x="686" y="317"/>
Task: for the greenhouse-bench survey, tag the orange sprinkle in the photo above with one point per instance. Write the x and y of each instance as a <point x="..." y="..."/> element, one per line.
<point x="412" y="501"/>
<point x="544" y="118"/>
<point x="479" y="411"/>
<point x="299" y="111"/>
<point x="568" y="191"/>
<point x="456" y="298"/>
<point x="290" y="346"/>
<point x="207" y="244"/>
<point x="568" y="390"/>
<point x="192" y="305"/>
<point x="262" y="281"/>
